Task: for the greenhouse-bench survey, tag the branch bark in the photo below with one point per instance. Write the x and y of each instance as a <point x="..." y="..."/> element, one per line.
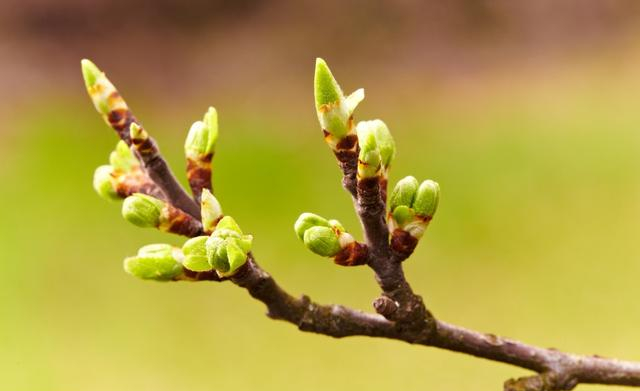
<point x="403" y="315"/>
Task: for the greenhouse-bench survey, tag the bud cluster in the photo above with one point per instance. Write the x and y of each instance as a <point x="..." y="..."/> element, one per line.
<point x="411" y="208"/>
<point x="328" y="238"/>
<point x="226" y="250"/>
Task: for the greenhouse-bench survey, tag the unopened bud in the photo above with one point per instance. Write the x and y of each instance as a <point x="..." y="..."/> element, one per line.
<point x="322" y="241"/>
<point x="427" y="197"/>
<point x="197" y="141"/>
<point x="227" y="247"/>
<point x="333" y="109"/>
<point x="104" y="95"/>
<point x="210" y="209"/>
<point x="383" y="139"/>
<point x="404" y="193"/>
<point x="195" y="254"/>
<point x="306" y="221"/>
<point x="142" y="210"/>
<point x="154" y="262"/>
<point x="104" y="183"/>
<point x="369" y="158"/>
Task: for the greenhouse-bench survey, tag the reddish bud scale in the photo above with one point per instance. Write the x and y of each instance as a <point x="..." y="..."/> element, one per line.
<point x="354" y="254"/>
<point x="180" y="223"/>
<point x="369" y="192"/>
<point x="402" y="243"/>
<point x="199" y="174"/>
<point x="120" y="120"/>
<point x="136" y="182"/>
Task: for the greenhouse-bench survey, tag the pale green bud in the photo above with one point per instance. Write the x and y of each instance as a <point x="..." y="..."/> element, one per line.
<point x="427" y="197"/>
<point x="104" y="183"/>
<point x="195" y="254"/>
<point x="322" y="241"/>
<point x="228" y="223"/>
<point x="383" y="137"/>
<point x="211" y="121"/>
<point x="212" y="246"/>
<point x="142" y="210"/>
<point x="334" y="110"/>
<point x="403" y="215"/>
<point x="236" y="256"/>
<point x="122" y="159"/>
<point x="404" y="193"/>
<point x="369" y="158"/>
<point x="154" y="262"/>
<point x="306" y="221"/>
<point x="104" y="95"/>
<point x="210" y="210"/>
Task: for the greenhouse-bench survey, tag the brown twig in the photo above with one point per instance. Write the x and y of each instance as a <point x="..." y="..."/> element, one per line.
<point x="403" y="315"/>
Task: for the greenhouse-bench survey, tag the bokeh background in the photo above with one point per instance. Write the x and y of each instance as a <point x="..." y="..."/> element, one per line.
<point x="526" y="113"/>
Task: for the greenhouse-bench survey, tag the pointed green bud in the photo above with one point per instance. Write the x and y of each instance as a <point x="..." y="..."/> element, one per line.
<point x="404" y="193"/>
<point x="104" y="183"/>
<point x="236" y="257"/>
<point x="210" y="209"/>
<point x="122" y="159"/>
<point x="154" y="262"/>
<point x="383" y="138"/>
<point x="333" y="109"/>
<point x="104" y="95"/>
<point x="142" y="210"/>
<point x="427" y="198"/>
<point x="322" y="241"/>
<point x="211" y="121"/>
<point x="403" y="215"/>
<point x="90" y="73"/>
<point x="326" y="88"/>
<point x="306" y="221"/>
<point x="228" y="223"/>
<point x="369" y="158"/>
<point x="195" y="145"/>
<point x="195" y="254"/>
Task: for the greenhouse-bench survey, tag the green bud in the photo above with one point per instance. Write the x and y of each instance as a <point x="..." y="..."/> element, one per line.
<point x="211" y="121"/>
<point x="104" y="184"/>
<point x="90" y="73"/>
<point x="383" y="138"/>
<point x="210" y="209"/>
<point x="403" y="215"/>
<point x="236" y="256"/>
<point x="122" y="159"/>
<point x="322" y="241"/>
<point x="306" y="221"/>
<point x="212" y="246"/>
<point x="369" y="158"/>
<point x="228" y="223"/>
<point x="154" y="262"/>
<point x="404" y="193"/>
<point x="195" y="254"/>
<point x="333" y="109"/>
<point x="142" y="210"/>
<point x="427" y="197"/>
<point x="104" y="95"/>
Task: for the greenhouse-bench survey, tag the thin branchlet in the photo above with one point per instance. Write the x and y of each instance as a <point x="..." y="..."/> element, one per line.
<point x="402" y="315"/>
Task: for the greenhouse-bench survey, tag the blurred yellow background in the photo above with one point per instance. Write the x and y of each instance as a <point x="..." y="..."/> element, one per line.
<point x="526" y="113"/>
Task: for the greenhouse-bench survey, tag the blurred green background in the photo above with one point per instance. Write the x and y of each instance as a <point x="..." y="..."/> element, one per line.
<point x="526" y="113"/>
